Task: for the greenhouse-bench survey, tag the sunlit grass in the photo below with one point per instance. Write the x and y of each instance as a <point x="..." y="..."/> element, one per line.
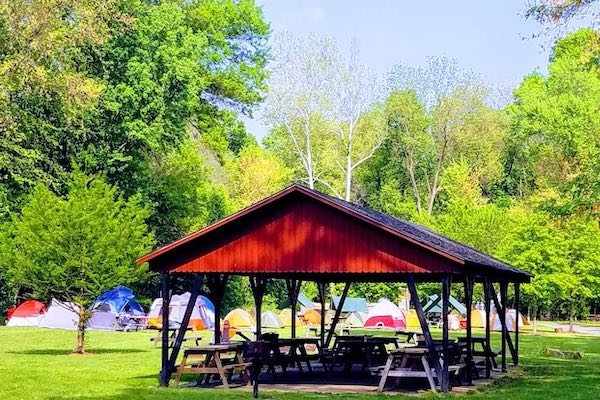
<point x="37" y="364"/>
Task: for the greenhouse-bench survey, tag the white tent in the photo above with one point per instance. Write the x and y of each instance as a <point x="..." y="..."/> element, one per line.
<point x="60" y="316"/>
<point x="453" y="322"/>
<point x="385" y="314"/>
<point x="28" y="313"/>
<point x="202" y="316"/>
<point x="356" y="319"/>
<point x="270" y="320"/>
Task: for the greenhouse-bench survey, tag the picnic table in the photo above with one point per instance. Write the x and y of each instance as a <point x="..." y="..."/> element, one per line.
<point x="481" y="348"/>
<point x="365" y="350"/>
<point x="173" y="335"/>
<point x="298" y="352"/>
<point x="407" y="362"/>
<point x="220" y="360"/>
<point x="408" y="336"/>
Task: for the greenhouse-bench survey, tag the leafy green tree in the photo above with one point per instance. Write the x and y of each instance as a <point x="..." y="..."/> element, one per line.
<point x="74" y="248"/>
<point x="555" y="126"/>
<point x="254" y="175"/>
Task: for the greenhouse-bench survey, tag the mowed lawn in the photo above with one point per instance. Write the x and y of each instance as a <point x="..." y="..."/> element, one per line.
<point x="37" y="364"/>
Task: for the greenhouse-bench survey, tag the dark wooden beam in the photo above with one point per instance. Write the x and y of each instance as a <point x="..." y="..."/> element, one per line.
<point x="258" y="284"/>
<point x="322" y="288"/>
<point x="184" y="324"/>
<point x="293" y="288"/>
<point x="469" y="305"/>
<point x="517" y="305"/>
<point x="216" y="284"/>
<point x="446" y="283"/>
<point x="502" y="315"/>
<point x="164" y="372"/>
<point x="502" y="320"/>
<point x="433" y="354"/>
<point x="338" y="311"/>
<point x="487" y="301"/>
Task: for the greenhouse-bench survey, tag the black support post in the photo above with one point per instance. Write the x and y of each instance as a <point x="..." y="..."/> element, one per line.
<point x="502" y="315"/>
<point x="503" y="321"/>
<point x="216" y="285"/>
<point x="486" y="293"/>
<point x="293" y="288"/>
<point x="184" y="325"/>
<point x="164" y="372"/>
<point x="446" y="282"/>
<point x="469" y="306"/>
<point x="433" y="354"/>
<point x="338" y="311"/>
<point x="258" y="284"/>
<point x="517" y="305"/>
<point x="322" y="286"/>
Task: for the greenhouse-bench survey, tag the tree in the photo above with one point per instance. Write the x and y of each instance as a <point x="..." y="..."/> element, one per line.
<point x="361" y="125"/>
<point x="556" y="15"/>
<point x="301" y="84"/>
<point x="76" y="247"/>
<point x="254" y="175"/>
<point x="555" y="127"/>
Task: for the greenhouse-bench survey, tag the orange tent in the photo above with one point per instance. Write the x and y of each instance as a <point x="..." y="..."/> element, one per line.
<point x="312" y="316"/>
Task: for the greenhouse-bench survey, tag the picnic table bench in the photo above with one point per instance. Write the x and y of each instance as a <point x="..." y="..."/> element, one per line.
<point x="208" y="361"/>
<point x="411" y="362"/>
<point x="480" y="348"/>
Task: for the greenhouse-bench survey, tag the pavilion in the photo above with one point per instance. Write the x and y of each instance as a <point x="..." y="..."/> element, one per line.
<point x="299" y="234"/>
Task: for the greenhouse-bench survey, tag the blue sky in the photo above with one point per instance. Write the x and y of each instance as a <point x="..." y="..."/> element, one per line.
<point x="488" y="37"/>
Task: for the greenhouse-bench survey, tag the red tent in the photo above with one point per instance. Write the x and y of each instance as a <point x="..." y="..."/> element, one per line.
<point x="27" y="313"/>
<point x="30" y="308"/>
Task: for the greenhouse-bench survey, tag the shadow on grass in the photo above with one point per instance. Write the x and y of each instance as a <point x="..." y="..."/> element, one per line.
<point x="63" y="352"/>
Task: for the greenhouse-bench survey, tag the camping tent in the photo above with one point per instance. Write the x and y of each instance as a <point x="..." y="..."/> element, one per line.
<point x="60" y="316"/>
<point x="495" y="324"/>
<point x="434" y="305"/>
<point x="523" y="319"/>
<point x="478" y="318"/>
<point x="351" y="304"/>
<point x="385" y="314"/>
<point x="270" y="320"/>
<point x="312" y="316"/>
<point x="112" y="307"/>
<point x="453" y="322"/>
<point x="28" y="313"/>
<point x="203" y="315"/>
<point x="412" y="320"/>
<point x="356" y="319"/>
<point x="286" y="317"/>
<point x="239" y="318"/>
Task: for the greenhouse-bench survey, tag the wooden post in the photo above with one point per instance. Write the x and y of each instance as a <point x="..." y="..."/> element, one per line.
<point x="293" y="288"/>
<point x="164" y="372"/>
<point x="338" y="311"/>
<point x="517" y="305"/>
<point x="433" y="355"/>
<point x="486" y="292"/>
<point x="258" y="284"/>
<point x="502" y="315"/>
<point x="469" y="306"/>
<point x="446" y="282"/>
<point x="503" y="321"/>
<point x="216" y="285"/>
<point x="184" y="325"/>
<point x="322" y="286"/>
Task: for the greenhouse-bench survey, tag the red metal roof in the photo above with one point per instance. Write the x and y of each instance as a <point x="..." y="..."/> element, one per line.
<point x="299" y="230"/>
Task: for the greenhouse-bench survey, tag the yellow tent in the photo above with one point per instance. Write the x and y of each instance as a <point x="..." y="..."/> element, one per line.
<point x="286" y="317"/>
<point x="312" y="316"/>
<point x="478" y="318"/>
<point x="412" y="320"/>
<point x="239" y="318"/>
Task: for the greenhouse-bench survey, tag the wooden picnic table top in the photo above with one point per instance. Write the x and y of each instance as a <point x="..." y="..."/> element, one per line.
<point x="213" y="348"/>
<point x="410" y="350"/>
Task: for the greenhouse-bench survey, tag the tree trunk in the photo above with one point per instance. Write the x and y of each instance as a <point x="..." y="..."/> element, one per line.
<point x="570" y="318"/>
<point x="79" y="348"/>
<point x="534" y="331"/>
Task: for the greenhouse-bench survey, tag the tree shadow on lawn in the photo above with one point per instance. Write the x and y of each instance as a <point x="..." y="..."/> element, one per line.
<point x="64" y="352"/>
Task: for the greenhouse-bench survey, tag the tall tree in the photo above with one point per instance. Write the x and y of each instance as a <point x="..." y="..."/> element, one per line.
<point x="74" y="248"/>
<point x="301" y="85"/>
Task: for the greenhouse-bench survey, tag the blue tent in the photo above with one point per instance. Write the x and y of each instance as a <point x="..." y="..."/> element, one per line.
<point x="209" y="305"/>
<point x="119" y="300"/>
<point x="352" y="304"/>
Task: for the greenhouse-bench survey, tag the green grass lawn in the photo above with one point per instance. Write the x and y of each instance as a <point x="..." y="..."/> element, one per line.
<point x="37" y="364"/>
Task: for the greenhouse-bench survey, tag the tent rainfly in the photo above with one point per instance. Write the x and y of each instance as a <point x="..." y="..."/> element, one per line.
<point x="352" y="304"/>
<point x="270" y="320"/>
<point x="28" y="313"/>
<point x="239" y="318"/>
<point x="202" y="316"/>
